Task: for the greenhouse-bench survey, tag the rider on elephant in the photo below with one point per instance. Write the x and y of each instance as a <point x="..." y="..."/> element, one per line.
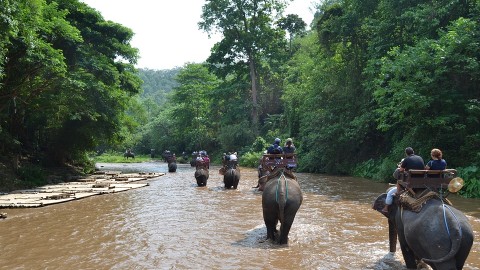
<point x="411" y="162"/>
<point x="203" y="160"/>
<point x="275" y="148"/>
<point x="289" y="148"/>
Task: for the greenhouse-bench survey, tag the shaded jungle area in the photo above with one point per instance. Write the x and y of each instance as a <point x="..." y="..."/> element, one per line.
<point x="365" y="80"/>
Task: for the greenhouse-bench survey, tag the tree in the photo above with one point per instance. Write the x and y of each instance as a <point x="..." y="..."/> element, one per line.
<point x="67" y="81"/>
<point x="294" y="25"/>
<point x="248" y="36"/>
<point x="191" y="106"/>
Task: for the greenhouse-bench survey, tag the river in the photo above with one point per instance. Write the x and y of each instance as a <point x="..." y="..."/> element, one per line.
<point x="173" y="224"/>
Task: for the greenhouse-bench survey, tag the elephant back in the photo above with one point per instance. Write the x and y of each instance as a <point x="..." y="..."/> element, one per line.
<point x="281" y="187"/>
<point x="415" y="204"/>
<point x="275" y="174"/>
<point x="231" y="178"/>
<point x="231" y="164"/>
<point x="172" y="167"/>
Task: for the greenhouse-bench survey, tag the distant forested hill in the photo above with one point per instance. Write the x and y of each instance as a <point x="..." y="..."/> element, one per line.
<point x="157" y="83"/>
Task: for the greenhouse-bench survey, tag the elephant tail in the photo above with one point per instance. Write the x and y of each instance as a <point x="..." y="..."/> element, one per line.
<point x="281" y="196"/>
<point x="455" y="237"/>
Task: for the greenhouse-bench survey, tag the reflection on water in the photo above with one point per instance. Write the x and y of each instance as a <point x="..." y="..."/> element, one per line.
<point x="173" y="224"/>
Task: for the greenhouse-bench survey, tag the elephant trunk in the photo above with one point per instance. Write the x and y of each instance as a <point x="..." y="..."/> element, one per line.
<point x="392" y="235"/>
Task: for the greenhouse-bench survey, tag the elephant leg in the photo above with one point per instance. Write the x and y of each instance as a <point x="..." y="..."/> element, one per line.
<point x="226" y="180"/>
<point x="408" y="255"/>
<point x="236" y="180"/>
<point x="271" y="224"/>
<point x="284" y="231"/>
<point x="289" y="217"/>
<point x="235" y="185"/>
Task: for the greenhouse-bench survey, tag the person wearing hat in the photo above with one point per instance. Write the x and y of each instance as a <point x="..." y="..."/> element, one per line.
<point x="289" y="148"/>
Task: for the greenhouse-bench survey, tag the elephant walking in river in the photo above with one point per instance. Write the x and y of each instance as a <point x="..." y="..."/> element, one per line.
<point x="231" y="175"/>
<point x="172" y="167"/>
<point x="281" y="200"/>
<point x="201" y="175"/>
<point x="172" y="163"/>
<point x="438" y="235"/>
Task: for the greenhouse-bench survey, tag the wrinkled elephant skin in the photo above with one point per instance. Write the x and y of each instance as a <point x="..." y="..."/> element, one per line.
<point x="201" y="175"/>
<point x="281" y="200"/>
<point x="439" y="235"/>
<point x="231" y="178"/>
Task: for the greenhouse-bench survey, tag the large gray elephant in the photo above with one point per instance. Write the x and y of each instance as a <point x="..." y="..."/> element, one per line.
<point x="231" y="176"/>
<point x="172" y="163"/>
<point x="172" y="166"/>
<point x="281" y="200"/>
<point x="201" y="175"/>
<point x="438" y="235"/>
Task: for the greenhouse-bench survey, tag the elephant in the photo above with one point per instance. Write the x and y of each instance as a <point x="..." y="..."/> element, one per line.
<point x="166" y="154"/>
<point x="438" y="235"/>
<point x="201" y="175"/>
<point x="128" y="154"/>
<point x="281" y="200"/>
<point x="231" y="176"/>
<point x="172" y="167"/>
<point x="172" y="163"/>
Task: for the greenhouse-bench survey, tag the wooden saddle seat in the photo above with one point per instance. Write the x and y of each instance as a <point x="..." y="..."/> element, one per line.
<point x="271" y="161"/>
<point x="201" y="164"/>
<point x="414" y="180"/>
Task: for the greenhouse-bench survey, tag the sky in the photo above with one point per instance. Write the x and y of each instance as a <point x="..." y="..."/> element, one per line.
<point x="166" y="31"/>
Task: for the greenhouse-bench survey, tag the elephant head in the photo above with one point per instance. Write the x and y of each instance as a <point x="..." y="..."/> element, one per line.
<point x="438" y="234"/>
<point x="201" y="175"/>
<point x="281" y="200"/>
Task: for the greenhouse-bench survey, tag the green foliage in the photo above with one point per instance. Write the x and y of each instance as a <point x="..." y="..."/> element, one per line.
<point x="250" y="42"/>
<point x="259" y="145"/>
<point x="235" y="136"/>
<point x="117" y="157"/>
<point x="251" y="159"/>
<point x="471" y="177"/>
<point x="367" y="169"/>
<point x="32" y="175"/>
<point x="69" y="79"/>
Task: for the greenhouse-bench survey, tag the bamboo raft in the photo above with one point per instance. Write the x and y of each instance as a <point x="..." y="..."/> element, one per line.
<point x="99" y="183"/>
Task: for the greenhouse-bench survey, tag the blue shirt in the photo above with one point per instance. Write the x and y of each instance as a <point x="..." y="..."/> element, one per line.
<point x="437" y="164"/>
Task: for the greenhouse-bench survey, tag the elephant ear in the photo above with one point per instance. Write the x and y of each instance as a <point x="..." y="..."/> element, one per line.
<point x="379" y="203"/>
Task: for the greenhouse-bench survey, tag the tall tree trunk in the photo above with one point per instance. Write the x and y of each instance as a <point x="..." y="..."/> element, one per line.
<point x="253" y="78"/>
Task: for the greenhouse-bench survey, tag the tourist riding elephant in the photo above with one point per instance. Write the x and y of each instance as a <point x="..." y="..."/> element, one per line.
<point x="201" y="175"/>
<point x="438" y="235"/>
<point x="231" y="176"/>
<point x="281" y="200"/>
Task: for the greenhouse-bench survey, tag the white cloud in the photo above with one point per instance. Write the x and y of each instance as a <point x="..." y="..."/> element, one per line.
<point x="166" y="32"/>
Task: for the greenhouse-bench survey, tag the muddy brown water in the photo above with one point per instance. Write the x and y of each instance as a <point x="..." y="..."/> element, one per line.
<point x="173" y="224"/>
